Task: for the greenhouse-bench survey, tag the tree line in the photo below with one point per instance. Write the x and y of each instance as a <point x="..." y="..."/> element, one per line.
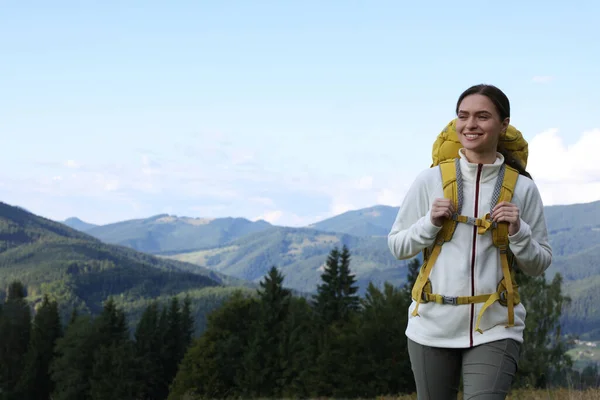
<point x="90" y="358"/>
<point x="272" y="344"/>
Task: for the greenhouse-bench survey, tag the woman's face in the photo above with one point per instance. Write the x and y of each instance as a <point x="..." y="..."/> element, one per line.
<point x="478" y="125"/>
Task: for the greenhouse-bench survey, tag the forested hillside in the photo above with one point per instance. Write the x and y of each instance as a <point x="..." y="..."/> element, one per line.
<point x="301" y="255"/>
<point x="81" y="272"/>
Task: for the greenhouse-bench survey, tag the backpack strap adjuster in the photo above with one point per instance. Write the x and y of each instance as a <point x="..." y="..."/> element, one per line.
<point x="450" y="300"/>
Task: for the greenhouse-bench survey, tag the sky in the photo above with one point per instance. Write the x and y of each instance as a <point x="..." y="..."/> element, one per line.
<point x="288" y="111"/>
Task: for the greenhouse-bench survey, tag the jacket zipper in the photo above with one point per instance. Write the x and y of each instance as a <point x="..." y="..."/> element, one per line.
<point x="476" y="212"/>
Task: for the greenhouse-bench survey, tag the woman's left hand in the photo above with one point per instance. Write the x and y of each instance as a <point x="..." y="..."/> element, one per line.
<point x="507" y="212"/>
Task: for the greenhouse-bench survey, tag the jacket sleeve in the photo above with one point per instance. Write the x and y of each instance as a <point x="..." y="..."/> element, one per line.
<point x="530" y="245"/>
<point x="413" y="230"/>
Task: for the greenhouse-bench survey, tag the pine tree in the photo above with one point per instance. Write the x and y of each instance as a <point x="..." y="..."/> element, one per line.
<point x="172" y="342"/>
<point x="95" y="358"/>
<point x="326" y="300"/>
<point x="350" y="301"/>
<point x="336" y="299"/>
<point x="36" y="383"/>
<point x="298" y="350"/>
<point x="213" y="365"/>
<point x="72" y="367"/>
<point x="114" y="373"/>
<point x="15" y="328"/>
<point x="187" y="326"/>
<point x="264" y="374"/>
<point x="164" y="380"/>
<point x="111" y="324"/>
<point x="336" y="305"/>
<point x="148" y="342"/>
<point x="384" y="318"/>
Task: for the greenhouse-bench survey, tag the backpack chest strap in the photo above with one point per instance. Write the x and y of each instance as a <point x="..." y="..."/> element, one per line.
<point x="483" y="224"/>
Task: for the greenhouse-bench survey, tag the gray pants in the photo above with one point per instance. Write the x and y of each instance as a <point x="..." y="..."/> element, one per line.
<point x="487" y="370"/>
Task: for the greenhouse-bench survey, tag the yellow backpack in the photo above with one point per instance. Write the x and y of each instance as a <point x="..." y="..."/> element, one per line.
<point x="445" y="154"/>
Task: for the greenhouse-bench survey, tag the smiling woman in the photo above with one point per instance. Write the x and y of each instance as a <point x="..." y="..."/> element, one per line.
<point x="483" y="119"/>
<point x="478" y="130"/>
<point x="475" y="215"/>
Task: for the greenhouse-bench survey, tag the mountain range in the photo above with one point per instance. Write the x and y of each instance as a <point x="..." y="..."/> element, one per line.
<point x="81" y="271"/>
<point x="135" y="261"/>
<point x="244" y="249"/>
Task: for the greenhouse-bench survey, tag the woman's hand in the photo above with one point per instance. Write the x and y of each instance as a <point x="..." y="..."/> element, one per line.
<point x="440" y="210"/>
<point x="507" y="212"/>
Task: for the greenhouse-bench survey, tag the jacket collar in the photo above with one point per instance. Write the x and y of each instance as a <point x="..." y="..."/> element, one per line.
<point x="488" y="171"/>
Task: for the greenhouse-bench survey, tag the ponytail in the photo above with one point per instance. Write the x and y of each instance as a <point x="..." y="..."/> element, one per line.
<point x="513" y="162"/>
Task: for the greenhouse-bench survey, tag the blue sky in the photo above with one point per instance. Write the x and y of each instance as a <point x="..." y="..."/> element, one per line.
<point x="285" y="110"/>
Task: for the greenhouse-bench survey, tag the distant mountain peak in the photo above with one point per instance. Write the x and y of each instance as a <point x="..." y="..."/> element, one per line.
<point x="370" y="221"/>
<point x="77" y="223"/>
<point x="167" y="233"/>
<point x="73" y="219"/>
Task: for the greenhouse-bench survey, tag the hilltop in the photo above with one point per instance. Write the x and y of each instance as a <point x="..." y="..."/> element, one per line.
<point x="164" y="233"/>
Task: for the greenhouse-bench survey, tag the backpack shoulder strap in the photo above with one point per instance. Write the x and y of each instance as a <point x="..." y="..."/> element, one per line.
<point x="509" y="182"/>
<point x="507" y="189"/>
<point x="452" y="186"/>
<point x="500" y="240"/>
<point x="448" y="171"/>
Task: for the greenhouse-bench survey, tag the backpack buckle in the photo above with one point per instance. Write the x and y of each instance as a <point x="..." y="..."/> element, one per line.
<point x="424" y="298"/>
<point x="450" y="300"/>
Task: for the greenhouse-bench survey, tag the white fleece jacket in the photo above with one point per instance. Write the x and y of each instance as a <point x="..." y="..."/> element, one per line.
<point x="469" y="264"/>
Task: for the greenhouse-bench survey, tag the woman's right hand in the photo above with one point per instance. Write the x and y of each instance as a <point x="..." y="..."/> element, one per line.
<point x="440" y="210"/>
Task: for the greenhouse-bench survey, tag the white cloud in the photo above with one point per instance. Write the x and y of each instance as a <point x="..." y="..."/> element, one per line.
<point x="340" y="208"/>
<point x="565" y="174"/>
<point x="543" y="78"/>
<point x="72" y="164"/>
<point x="265" y="201"/>
<point x="111" y="186"/>
<point x="202" y="211"/>
<point x="279" y="217"/>
<point x="240" y="156"/>
<point x="213" y="184"/>
<point x="270" y="216"/>
<point x="364" y="183"/>
<point x="150" y="166"/>
<point x="388" y="197"/>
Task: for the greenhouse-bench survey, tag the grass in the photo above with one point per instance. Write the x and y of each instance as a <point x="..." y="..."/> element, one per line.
<point x="553" y="394"/>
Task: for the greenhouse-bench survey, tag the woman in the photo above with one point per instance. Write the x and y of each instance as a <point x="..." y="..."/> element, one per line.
<point x="441" y="338"/>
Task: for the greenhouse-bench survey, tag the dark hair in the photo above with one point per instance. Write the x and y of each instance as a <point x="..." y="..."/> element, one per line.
<point x="502" y="104"/>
